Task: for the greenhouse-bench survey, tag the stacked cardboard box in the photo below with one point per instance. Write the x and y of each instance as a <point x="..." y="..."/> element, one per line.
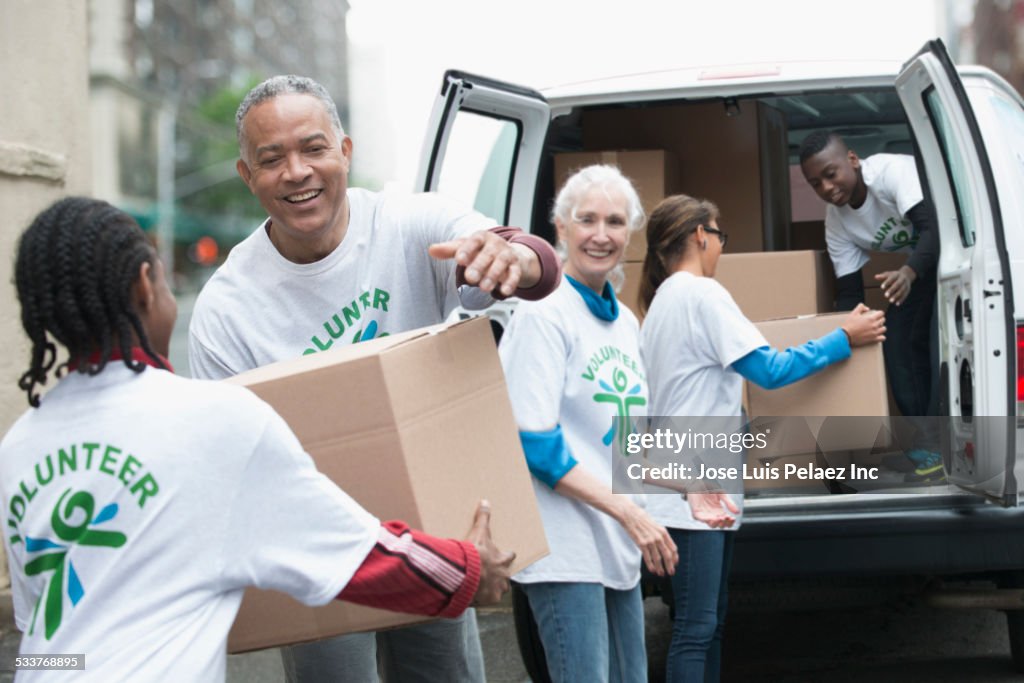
<point x="414" y="426"/>
<point x="739" y="161"/>
<point x="767" y="285"/>
<point x="778" y="284"/>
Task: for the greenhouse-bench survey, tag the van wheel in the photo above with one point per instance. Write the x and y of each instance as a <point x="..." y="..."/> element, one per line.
<point x="528" y="637"/>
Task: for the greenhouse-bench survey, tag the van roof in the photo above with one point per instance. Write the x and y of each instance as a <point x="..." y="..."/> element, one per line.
<point x="725" y="80"/>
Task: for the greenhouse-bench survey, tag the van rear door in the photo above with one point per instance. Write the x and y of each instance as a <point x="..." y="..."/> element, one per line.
<point x="970" y="133"/>
<point x="483" y="146"/>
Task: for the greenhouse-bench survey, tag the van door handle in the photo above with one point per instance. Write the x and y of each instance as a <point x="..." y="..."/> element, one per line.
<point x="987" y="293"/>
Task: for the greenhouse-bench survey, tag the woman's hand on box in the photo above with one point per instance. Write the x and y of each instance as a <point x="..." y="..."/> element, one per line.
<point x="864" y="326"/>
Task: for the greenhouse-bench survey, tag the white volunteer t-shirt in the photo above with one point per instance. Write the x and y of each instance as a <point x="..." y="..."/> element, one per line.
<point x="260" y="308"/>
<point x="565" y="366"/>
<point x="880" y="224"/>
<point x="693" y="333"/>
<point x="139" y="506"/>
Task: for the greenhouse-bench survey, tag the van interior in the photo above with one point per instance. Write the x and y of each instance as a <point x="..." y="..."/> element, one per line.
<point x="742" y="153"/>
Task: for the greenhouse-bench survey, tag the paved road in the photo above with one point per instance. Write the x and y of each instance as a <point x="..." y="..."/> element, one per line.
<point x="901" y="643"/>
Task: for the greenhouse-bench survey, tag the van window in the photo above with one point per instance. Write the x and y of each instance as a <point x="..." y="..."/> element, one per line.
<point x="479" y="161"/>
<point x="956" y="168"/>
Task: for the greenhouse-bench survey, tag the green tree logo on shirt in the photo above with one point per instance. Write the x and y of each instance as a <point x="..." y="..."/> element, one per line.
<point x="352" y="320"/>
<point x="903" y="234"/>
<point x="623" y="400"/>
<point x="73" y="523"/>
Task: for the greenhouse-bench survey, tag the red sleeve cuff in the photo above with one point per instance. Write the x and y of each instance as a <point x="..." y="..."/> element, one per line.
<point x="550" y="265"/>
<point x="463" y="597"/>
<point x="411" y="571"/>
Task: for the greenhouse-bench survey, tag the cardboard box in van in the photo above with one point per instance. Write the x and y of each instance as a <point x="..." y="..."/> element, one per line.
<point x="855" y="387"/>
<point x="654" y="173"/>
<point x="778" y="284"/>
<point x="765" y="286"/>
<point x="414" y="426"/>
<point x="881" y="262"/>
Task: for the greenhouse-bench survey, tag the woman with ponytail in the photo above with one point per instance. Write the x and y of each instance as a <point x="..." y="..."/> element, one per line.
<point x="698" y="348"/>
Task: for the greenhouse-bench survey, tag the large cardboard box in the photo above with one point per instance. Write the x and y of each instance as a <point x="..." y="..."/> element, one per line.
<point x="778" y="284"/>
<point x="654" y="173"/>
<point x="414" y="426"/>
<point x="855" y="387"/>
<point x="766" y="286"/>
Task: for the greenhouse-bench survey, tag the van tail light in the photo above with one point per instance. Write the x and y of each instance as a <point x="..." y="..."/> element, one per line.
<point x="1020" y="367"/>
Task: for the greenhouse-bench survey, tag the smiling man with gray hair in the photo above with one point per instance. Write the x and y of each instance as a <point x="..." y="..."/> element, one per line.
<point x="334" y="265"/>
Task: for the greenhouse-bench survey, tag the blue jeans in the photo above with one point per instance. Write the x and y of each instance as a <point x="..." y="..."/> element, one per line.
<point x="701" y="596"/>
<point x="442" y="650"/>
<point x="912" y="359"/>
<point x="589" y="632"/>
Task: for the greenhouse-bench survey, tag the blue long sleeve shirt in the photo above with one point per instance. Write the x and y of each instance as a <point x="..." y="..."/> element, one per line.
<point x="772" y="369"/>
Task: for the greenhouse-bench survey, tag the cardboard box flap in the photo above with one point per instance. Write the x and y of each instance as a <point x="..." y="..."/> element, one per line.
<point x="427" y="377"/>
<point x="316" y="361"/>
<point x="340" y="354"/>
<point x="356" y="395"/>
<point x="340" y="394"/>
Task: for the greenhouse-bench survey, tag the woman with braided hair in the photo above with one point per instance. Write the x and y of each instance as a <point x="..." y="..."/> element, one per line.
<point x="139" y="505"/>
<point x="74" y="279"/>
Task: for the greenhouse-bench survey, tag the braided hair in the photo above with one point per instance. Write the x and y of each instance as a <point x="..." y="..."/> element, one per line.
<point x="74" y="272"/>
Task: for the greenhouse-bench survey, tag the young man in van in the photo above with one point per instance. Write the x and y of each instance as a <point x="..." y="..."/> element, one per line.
<point x="876" y="205"/>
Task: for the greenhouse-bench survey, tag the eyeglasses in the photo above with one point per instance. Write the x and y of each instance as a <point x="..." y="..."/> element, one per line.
<point x="722" y="237"/>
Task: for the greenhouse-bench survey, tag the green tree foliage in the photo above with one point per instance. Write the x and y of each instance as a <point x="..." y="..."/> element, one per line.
<point x="212" y="198"/>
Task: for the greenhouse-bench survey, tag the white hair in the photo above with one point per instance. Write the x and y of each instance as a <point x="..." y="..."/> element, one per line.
<point x="610" y="180"/>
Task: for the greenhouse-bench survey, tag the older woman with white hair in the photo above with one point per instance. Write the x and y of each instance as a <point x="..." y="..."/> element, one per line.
<point x="575" y="378"/>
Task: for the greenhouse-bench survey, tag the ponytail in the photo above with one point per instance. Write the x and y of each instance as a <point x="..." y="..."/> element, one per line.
<point x="670" y="225"/>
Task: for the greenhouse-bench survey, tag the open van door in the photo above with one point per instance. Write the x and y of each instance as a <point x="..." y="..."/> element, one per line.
<point x="970" y="132"/>
<point x="483" y="146"/>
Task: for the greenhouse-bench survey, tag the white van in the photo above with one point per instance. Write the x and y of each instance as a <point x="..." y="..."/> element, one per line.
<point x="736" y="131"/>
